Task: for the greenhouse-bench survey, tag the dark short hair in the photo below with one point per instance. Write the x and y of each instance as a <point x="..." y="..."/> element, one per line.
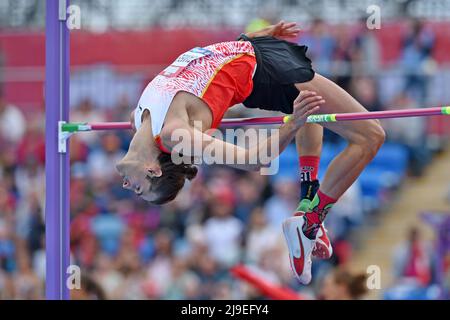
<point x="92" y="288"/>
<point x="172" y="178"/>
<point x="355" y="283"/>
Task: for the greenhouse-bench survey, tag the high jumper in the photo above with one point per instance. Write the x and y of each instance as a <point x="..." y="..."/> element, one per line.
<point x="260" y="70"/>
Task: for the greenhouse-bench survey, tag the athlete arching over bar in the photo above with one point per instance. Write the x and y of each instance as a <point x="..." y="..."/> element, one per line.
<point x="204" y="82"/>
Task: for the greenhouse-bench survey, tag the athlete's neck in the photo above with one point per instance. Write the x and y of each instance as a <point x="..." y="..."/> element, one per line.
<point x="143" y="147"/>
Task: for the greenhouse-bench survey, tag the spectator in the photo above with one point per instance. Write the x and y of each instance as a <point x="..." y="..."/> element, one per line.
<point x="411" y="134"/>
<point x="7" y="248"/>
<point x="340" y="284"/>
<point x="249" y="197"/>
<point x="321" y="46"/>
<point x="267" y="17"/>
<point x="260" y="236"/>
<point x="416" y="58"/>
<point x="365" y="50"/>
<point x="342" y="58"/>
<point x="209" y="274"/>
<point x="38" y="260"/>
<point x="257" y="24"/>
<point x="132" y="286"/>
<point x="365" y="90"/>
<point x="284" y="201"/>
<point x="107" y="276"/>
<point x="100" y="160"/>
<point x="10" y="114"/>
<point x="90" y="290"/>
<point x="6" y="286"/>
<point x="159" y="273"/>
<point x="185" y="284"/>
<point x="86" y="112"/>
<point x="26" y="283"/>
<point x="412" y="260"/>
<point x="223" y="231"/>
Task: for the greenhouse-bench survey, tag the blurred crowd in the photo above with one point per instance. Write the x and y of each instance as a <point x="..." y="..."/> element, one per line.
<point x="128" y="249"/>
<point x="421" y="268"/>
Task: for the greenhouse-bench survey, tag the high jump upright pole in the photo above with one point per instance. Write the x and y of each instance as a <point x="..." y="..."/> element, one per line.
<point x="57" y="217"/>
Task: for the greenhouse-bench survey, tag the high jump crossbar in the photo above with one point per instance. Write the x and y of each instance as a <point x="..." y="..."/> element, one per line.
<point x="73" y="127"/>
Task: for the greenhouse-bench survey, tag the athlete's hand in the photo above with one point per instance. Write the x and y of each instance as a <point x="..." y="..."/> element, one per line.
<point x="280" y="30"/>
<point x="306" y="104"/>
<point x="284" y="30"/>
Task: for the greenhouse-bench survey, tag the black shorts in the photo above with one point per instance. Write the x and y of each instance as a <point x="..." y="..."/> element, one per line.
<point x="280" y="64"/>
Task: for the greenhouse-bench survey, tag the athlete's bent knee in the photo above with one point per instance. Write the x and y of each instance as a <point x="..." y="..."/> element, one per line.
<point x="375" y="137"/>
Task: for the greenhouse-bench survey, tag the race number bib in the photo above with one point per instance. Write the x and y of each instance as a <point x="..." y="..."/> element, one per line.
<point x="184" y="60"/>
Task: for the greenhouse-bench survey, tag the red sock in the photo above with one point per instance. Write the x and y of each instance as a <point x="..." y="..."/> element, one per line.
<point x="309" y="167"/>
<point x="317" y="212"/>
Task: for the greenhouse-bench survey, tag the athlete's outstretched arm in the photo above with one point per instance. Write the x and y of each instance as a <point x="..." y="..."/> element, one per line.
<point x="199" y="144"/>
<point x="280" y="30"/>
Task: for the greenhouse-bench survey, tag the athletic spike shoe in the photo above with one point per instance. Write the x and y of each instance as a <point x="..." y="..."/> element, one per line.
<point x="300" y="248"/>
<point x="323" y="248"/>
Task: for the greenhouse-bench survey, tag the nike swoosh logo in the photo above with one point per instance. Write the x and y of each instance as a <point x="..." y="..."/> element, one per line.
<point x="299" y="263"/>
<point x="324" y="237"/>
